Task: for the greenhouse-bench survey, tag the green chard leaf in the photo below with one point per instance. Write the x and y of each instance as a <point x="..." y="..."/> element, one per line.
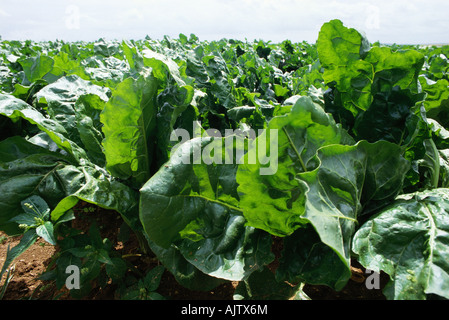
<point x="408" y="240"/>
<point x="192" y="206"/>
<point x="60" y="101"/>
<point x="350" y="180"/>
<point x="373" y="90"/>
<point x="129" y="119"/>
<point x="37" y="67"/>
<point x="173" y="98"/>
<point x="270" y="193"/>
<point x="15" y="109"/>
<point x="437" y="99"/>
<point x="341" y="51"/>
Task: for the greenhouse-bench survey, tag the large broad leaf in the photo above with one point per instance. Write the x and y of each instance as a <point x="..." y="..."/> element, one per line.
<point x="129" y="120"/>
<point x="16" y="109"/>
<point x="192" y="205"/>
<point x="340" y="52"/>
<point x="37" y="67"/>
<point x="59" y="101"/>
<point x="351" y="179"/>
<point x="356" y="73"/>
<point x="408" y="240"/>
<point x="270" y="193"/>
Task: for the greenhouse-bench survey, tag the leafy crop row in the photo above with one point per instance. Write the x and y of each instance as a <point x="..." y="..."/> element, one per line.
<point x="362" y="167"/>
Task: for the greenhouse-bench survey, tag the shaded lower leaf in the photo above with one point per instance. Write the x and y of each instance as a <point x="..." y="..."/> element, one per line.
<point x="25" y="170"/>
<point x="184" y="272"/>
<point x="305" y="258"/>
<point x="262" y="285"/>
<point x="116" y="269"/>
<point x="153" y="278"/>
<point x="230" y="254"/>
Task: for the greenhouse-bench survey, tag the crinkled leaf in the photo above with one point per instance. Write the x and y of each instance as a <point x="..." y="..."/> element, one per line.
<point x="27" y="169"/>
<point x="340" y="52"/>
<point x="87" y="113"/>
<point x="437" y="99"/>
<point x="350" y="178"/>
<point x="64" y="65"/>
<point x="163" y="68"/>
<point x="349" y="181"/>
<point x="15" y="109"/>
<point x="319" y="181"/>
<point x="129" y="120"/>
<point x="95" y="185"/>
<point x="173" y="98"/>
<point x="270" y="195"/>
<point x="172" y="102"/>
<point x="390" y="117"/>
<point x="408" y="240"/>
<point x="193" y="207"/>
<point x="356" y="73"/>
<point x="59" y="101"/>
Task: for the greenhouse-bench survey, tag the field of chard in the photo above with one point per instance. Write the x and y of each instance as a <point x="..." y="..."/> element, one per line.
<point x="270" y="166"/>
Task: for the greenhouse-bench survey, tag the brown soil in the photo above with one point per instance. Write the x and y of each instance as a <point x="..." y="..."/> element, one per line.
<point x="31" y="264"/>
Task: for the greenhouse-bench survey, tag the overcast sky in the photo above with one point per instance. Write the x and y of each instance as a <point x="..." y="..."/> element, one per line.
<point x="387" y="21"/>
